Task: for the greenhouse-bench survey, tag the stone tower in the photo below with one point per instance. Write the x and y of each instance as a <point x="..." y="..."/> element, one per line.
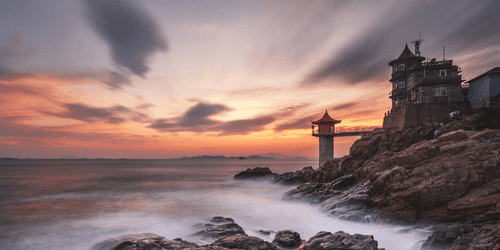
<point x="326" y="133"/>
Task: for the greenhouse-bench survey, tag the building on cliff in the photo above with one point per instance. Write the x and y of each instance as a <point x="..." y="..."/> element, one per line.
<point x="483" y="88"/>
<point x="423" y="91"/>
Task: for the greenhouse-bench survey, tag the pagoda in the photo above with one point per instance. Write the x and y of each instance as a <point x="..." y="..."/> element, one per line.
<point x="326" y="133"/>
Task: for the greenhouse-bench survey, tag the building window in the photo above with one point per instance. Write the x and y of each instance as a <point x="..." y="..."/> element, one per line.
<point x="401" y="67"/>
<point x="410" y="79"/>
<point x="440" y="91"/>
<point x="394" y="69"/>
<point x="401" y="84"/>
<point x="442" y="72"/>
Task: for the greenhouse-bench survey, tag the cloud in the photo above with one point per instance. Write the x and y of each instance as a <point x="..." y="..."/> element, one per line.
<point x="113" y="115"/>
<point x="197" y="119"/>
<point x="116" y="81"/>
<point x="366" y="57"/>
<point x="199" y="114"/>
<point x="291" y="32"/>
<point x="480" y="30"/>
<point x="130" y="32"/>
<point x="303" y="123"/>
<point x="162" y="125"/>
<point x="254" y="91"/>
<point x="344" y="106"/>
<point x="244" y="126"/>
<point x="16" y="88"/>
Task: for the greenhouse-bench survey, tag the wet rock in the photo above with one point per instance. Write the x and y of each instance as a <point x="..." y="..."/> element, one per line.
<point x="220" y="219"/>
<point x="287" y="239"/>
<point x="453" y="237"/>
<point x="311" y="192"/>
<point x="241" y="241"/>
<point x="218" y="228"/>
<point x="350" y="204"/>
<point x="253" y="173"/>
<point x="339" y="241"/>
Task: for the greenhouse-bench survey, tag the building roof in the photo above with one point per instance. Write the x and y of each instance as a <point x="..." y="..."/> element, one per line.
<point x="326" y="119"/>
<point x="495" y="70"/>
<point x="406" y="53"/>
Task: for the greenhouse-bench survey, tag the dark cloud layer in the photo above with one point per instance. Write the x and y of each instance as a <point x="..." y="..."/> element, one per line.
<point x="117" y="81"/>
<point x="113" y="115"/>
<point x="244" y="126"/>
<point x="440" y="22"/>
<point x="199" y="114"/>
<point x="131" y="34"/>
<point x="197" y="119"/>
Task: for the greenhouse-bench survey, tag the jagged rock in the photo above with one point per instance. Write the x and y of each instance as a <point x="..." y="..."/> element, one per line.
<point x="219" y="228"/>
<point x="326" y="173"/>
<point x="311" y="192"/>
<point x="241" y="241"/>
<point x="287" y="239"/>
<point x="350" y="204"/>
<point x="253" y="173"/>
<point x="487" y="238"/>
<point x="454" y="237"/>
<point x="339" y="241"/>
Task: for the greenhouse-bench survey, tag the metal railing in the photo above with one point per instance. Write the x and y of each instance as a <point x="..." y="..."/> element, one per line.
<point x="436" y="63"/>
<point x="343" y="130"/>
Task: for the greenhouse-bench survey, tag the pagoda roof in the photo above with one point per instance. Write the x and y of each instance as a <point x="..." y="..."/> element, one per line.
<point x="406" y="53"/>
<point x="326" y="119"/>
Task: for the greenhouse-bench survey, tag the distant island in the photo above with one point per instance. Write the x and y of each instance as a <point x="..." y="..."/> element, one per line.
<point x="222" y="157"/>
<point x="251" y="157"/>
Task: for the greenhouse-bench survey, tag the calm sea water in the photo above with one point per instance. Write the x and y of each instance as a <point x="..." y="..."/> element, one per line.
<point x="73" y="204"/>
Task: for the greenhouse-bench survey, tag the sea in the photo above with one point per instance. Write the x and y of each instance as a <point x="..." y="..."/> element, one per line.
<point x="74" y="204"/>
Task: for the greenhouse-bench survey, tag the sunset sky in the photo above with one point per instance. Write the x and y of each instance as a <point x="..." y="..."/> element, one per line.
<point x="166" y="79"/>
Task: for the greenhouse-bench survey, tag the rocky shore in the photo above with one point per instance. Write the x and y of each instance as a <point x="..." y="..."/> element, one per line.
<point x="229" y="235"/>
<point x="443" y="175"/>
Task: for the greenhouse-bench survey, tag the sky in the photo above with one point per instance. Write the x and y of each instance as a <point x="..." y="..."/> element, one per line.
<point x="166" y="79"/>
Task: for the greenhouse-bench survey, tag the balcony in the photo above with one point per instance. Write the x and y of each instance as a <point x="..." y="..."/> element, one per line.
<point x="398" y="92"/>
<point x="436" y="63"/>
<point x="439" y="79"/>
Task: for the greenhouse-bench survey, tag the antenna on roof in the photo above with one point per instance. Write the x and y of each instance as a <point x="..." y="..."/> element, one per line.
<point x="417" y="45"/>
<point x="443" y="54"/>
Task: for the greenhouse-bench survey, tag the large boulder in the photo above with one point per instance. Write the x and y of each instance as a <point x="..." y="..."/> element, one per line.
<point x="241" y="241"/>
<point x="287" y="239"/>
<point x="219" y="227"/>
<point x="339" y="241"/>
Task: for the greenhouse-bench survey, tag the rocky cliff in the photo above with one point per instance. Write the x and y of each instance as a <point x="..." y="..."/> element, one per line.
<point x="446" y="174"/>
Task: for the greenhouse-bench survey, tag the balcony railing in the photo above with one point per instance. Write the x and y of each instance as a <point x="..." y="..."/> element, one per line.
<point x="436" y="63"/>
<point x="440" y="79"/>
<point x="343" y="130"/>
